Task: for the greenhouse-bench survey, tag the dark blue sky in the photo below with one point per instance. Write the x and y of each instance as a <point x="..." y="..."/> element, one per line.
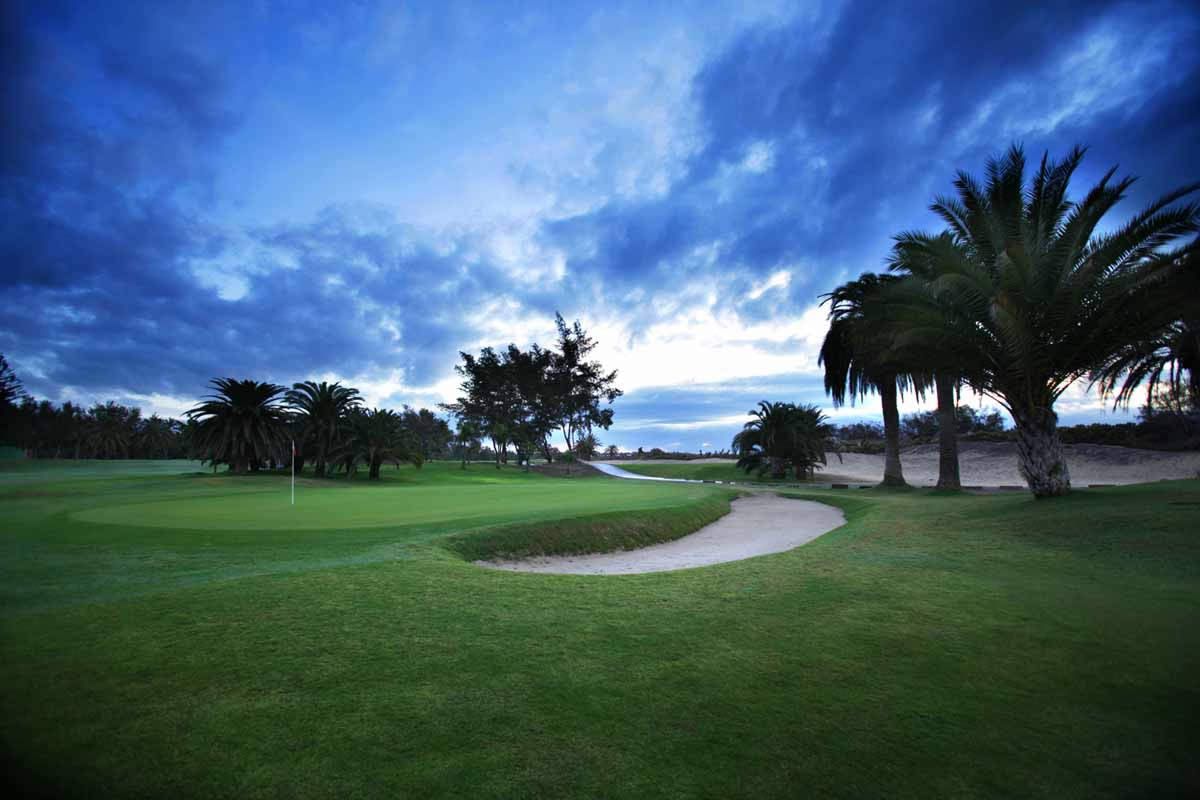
<point x="280" y="191"/>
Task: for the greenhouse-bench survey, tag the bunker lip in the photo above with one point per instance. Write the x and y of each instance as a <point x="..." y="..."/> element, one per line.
<point x="756" y="525"/>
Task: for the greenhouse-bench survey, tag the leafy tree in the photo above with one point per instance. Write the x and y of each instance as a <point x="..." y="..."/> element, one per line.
<point x="612" y="451"/>
<point x="241" y="424"/>
<point x="323" y="409"/>
<point x="1022" y="291"/>
<point x="859" y="358"/>
<point x="578" y="386"/>
<point x="11" y="389"/>
<point x="782" y="435"/>
<point x="431" y="433"/>
<point x="489" y="398"/>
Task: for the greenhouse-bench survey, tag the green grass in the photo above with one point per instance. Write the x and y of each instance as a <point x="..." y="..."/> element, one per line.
<point x="725" y="472"/>
<point x="933" y="646"/>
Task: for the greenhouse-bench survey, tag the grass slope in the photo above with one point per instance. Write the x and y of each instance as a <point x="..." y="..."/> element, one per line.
<point x="935" y="645"/>
<point x="726" y="472"/>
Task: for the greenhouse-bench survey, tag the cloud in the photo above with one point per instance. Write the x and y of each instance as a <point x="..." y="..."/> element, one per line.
<point x="232" y="190"/>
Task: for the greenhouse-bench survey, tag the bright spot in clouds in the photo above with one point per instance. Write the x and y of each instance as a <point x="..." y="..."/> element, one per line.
<point x="259" y="190"/>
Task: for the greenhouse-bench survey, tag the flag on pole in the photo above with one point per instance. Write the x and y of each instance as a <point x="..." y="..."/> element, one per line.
<point x="293" y="472"/>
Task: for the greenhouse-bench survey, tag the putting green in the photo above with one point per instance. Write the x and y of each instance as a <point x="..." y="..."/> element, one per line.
<point x="380" y="506"/>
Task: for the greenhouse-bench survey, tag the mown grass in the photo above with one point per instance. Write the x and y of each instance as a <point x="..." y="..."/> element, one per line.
<point x="727" y="471"/>
<point x="933" y="646"/>
<point x="593" y="533"/>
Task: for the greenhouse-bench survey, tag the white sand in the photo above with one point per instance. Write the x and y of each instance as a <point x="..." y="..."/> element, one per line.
<point x="995" y="464"/>
<point x="757" y="525"/>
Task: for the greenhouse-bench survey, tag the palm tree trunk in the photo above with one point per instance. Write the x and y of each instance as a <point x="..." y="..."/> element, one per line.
<point x="778" y="467"/>
<point x="1040" y="451"/>
<point x="893" y="475"/>
<point x="948" y="472"/>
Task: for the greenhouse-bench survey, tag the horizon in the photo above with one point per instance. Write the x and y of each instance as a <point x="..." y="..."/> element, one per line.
<point x="287" y="194"/>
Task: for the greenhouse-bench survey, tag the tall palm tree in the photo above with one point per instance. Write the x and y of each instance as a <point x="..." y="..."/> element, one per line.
<point x="947" y="374"/>
<point x="324" y="410"/>
<point x="1038" y="299"/>
<point x="241" y="423"/>
<point x="859" y="358"/>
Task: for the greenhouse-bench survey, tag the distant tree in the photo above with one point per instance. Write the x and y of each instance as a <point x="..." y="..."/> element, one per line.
<point x="431" y="433"/>
<point x="378" y="437"/>
<point x="578" y="385"/>
<point x="490" y="398"/>
<point x="612" y="451"/>
<point x="920" y="425"/>
<point x="11" y="389"/>
<point x="324" y="410"/>
<point x="587" y="446"/>
<point x="782" y="435"/>
<point x="466" y="439"/>
<point x="241" y="424"/>
<point x="157" y="436"/>
<point x="110" y="428"/>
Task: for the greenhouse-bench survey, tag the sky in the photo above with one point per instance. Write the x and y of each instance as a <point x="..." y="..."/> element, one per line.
<point x="358" y="191"/>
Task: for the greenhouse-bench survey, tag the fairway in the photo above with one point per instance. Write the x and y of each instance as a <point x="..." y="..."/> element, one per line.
<point x="156" y="643"/>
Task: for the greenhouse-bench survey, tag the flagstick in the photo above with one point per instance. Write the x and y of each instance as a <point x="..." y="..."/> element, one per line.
<point x="293" y="472"/>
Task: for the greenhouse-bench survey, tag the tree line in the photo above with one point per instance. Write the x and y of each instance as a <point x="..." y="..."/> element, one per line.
<point x="249" y="425"/>
<point x="1019" y="297"/>
<point x="520" y="398"/>
<point x="514" y="399"/>
<point x="245" y="424"/>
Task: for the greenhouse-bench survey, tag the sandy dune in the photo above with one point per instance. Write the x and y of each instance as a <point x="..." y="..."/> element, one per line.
<point x="995" y="464"/>
<point x="756" y="525"/>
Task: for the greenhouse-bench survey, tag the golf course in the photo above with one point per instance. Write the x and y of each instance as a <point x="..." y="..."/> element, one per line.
<point x="167" y="631"/>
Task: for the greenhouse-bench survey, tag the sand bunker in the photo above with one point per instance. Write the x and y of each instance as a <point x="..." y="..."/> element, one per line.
<point x="995" y="464"/>
<point x="756" y="526"/>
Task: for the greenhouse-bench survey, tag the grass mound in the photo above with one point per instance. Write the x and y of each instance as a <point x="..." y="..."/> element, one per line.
<point x="593" y="533"/>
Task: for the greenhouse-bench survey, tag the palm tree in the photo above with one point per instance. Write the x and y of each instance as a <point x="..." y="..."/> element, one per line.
<point x="377" y="436"/>
<point x="241" y="424"/>
<point x="1036" y="298"/>
<point x="466" y="438"/>
<point x="157" y="435"/>
<point x="110" y="428"/>
<point x="780" y="435"/>
<point x="947" y="375"/>
<point x="323" y="408"/>
<point x="1168" y="363"/>
<point x="1173" y="353"/>
<point x="859" y="358"/>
